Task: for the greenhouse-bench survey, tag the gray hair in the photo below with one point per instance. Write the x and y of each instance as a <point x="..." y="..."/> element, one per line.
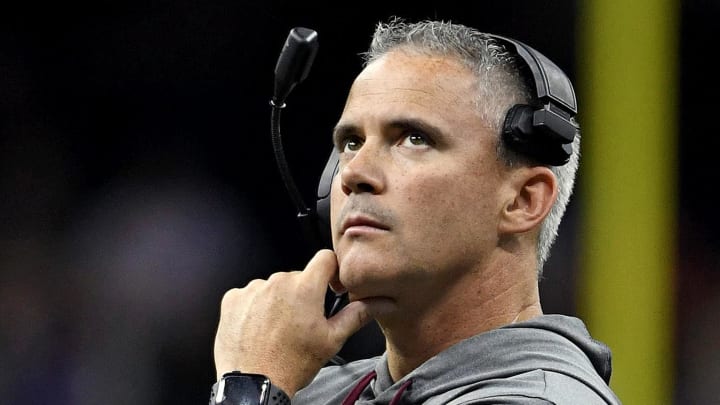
<point x="500" y="80"/>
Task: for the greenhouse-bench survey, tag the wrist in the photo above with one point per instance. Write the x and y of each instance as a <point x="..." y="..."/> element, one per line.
<point x="235" y="388"/>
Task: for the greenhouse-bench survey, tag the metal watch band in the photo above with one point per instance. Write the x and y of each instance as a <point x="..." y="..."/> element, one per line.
<point x="236" y="388"/>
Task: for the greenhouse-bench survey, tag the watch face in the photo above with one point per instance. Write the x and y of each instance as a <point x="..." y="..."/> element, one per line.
<point x="246" y="389"/>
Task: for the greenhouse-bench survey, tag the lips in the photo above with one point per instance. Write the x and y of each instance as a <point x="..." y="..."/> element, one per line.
<point x="355" y="222"/>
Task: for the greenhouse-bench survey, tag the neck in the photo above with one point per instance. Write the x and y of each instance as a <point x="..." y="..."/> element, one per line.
<point x="415" y="335"/>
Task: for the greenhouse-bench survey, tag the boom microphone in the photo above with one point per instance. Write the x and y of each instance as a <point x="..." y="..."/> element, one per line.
<point x="294" y="63"/>
<point x="293" y="66"/>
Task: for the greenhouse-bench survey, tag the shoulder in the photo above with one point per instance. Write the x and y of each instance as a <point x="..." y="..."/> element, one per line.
<point x="535" y="387"/>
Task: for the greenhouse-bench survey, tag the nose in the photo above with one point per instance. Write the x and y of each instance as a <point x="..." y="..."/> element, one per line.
<point x="362" y="172"/>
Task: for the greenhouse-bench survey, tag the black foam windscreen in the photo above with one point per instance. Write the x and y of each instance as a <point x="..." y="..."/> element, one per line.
<point x="295" y="61"/>
<point x="542" y="130"/>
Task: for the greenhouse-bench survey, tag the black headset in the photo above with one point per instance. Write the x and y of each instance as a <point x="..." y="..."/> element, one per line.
<point x="542" y="131"/>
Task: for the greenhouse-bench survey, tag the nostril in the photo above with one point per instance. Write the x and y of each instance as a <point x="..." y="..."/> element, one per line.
<point x="365" y="188"/>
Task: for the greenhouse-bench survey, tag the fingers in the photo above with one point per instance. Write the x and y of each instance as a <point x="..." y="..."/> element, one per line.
<point x="357" y="314"/>
<point x="322" y="269"/>
<point x="283" y="317"/>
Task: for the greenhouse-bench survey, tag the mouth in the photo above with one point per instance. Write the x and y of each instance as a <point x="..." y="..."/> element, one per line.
<point x="357" y="224"/>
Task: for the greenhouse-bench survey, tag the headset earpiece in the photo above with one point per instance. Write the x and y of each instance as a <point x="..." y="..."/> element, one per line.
<point x="546" y="132"/>
<point x="323" y="197"/>
<point x="527" y="132"/>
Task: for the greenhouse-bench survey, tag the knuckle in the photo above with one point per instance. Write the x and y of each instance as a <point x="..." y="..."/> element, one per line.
<point x="283" y="280"/>
<point x="278" y="277"/>
<point x="254" y="284"/>
<point x="230" y="296"/>
<point x="229" y="300"/>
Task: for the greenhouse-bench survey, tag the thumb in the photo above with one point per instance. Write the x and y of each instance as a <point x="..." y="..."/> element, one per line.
<point x="355" y="315"/>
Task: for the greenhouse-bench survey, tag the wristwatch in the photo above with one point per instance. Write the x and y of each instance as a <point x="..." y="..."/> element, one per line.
<point x="236" y="388"/>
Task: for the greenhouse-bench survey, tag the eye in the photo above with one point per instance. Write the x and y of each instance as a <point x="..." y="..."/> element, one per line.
<point x="416" y="140"/>
<point x="350" y="144"/>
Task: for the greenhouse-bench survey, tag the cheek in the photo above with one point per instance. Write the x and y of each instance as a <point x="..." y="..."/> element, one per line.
<point x="337" y="199"/>
<point x="448" y="209"/>
<point x="434" y="197"/>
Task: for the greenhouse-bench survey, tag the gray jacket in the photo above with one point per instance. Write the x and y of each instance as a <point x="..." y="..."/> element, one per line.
<point x="548" y="360"/>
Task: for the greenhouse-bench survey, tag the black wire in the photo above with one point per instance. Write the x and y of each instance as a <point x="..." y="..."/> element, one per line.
<point x="340" y="301"/>
<point x="282" y="162"/>
<point x="337" y="360"/>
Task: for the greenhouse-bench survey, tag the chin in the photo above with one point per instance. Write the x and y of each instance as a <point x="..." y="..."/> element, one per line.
<point x="361" y="271"/>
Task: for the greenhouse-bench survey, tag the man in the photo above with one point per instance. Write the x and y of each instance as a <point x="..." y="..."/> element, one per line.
<point x="442" y="217"/>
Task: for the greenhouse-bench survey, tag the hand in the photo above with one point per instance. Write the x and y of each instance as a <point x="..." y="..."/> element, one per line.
<point x="277" y="327"/>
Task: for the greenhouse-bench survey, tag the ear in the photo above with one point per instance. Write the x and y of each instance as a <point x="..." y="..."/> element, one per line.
<point x="531" y="195"/>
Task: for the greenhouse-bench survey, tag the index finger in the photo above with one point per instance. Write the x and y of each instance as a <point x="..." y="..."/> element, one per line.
<point x="321" y="269"/>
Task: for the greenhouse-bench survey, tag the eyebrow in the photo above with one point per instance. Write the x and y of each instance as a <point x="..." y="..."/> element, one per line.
<point x="343" y="130"/>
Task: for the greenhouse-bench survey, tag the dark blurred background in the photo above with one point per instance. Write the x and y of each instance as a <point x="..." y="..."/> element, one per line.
<point x="138" y="183"/>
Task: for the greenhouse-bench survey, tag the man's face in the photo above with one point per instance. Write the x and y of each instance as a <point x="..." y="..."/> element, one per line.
<point x="415" y="205"/>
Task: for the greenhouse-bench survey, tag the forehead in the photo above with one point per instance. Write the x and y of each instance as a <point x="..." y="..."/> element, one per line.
<point x="427" y="85"/>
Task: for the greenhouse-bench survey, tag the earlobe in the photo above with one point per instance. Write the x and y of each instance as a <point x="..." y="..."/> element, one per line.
<point x="533" y="193"/>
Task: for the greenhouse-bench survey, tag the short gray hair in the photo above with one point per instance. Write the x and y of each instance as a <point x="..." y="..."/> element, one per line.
<point x="500" y="80"/>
